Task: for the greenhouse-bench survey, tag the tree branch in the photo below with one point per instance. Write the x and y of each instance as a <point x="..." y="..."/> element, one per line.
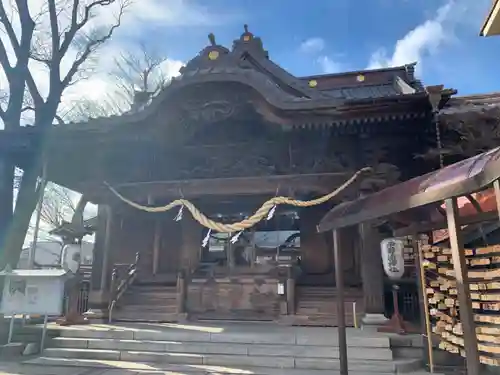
<point x="31" y="108"/>
<point x="9" y="29"/>
<point x="54" y="63"/>
<point x="4" y="59"/>
<point x="92" y="45"/>
<point x="76" y="26"/>
<point x="54" y="27"/>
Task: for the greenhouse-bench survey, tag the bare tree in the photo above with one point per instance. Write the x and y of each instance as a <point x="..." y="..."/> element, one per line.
<point x="141" y="69"/>
<point x="62" y="37"/>
<point x="58" y="206"/>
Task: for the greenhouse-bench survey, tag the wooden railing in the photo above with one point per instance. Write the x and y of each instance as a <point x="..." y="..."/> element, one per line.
<point x="120" y="285"/>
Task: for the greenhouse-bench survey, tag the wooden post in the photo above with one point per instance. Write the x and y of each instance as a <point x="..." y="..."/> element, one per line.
<point x="339" y="284"/>
<point x="372" y="276"/>
<point x="496" y="187"/>
<point x="181" y="292"/>
<point x="156" y="245"/>
<point x="99" y="297"/>
<point x="290" y="292"/>
<point x="460" y="268"/>
<point x="107" y="257"/>
<point x="424" y="304"/>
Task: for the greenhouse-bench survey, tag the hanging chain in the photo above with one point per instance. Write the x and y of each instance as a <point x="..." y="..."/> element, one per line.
<point x="438" y="141"/>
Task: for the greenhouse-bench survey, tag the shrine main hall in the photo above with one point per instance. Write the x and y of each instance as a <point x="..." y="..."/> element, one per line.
<point x="232" y="131"/>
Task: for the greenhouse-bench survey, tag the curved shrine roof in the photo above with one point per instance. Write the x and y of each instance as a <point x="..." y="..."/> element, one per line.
<point x="248" y="63"/>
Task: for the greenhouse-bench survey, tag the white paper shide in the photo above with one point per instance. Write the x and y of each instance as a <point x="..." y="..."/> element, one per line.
<point x="392" y="250"/>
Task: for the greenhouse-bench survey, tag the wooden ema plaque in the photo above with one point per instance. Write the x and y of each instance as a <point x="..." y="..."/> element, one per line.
<point x="484" y="283"/>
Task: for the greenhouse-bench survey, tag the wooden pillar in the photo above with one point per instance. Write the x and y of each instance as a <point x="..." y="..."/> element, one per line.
<point x="181" y="292"/>
<point x="372" y="275"/>
<point x="156" y="245"/>
<point x="339" y="282"/>
<point x="496" y="188"/>
<point x="425" y="323"/>
<point x="290" y="292"/>
<point x="316" y="251"/>
<point x="191" y="242"/>
<point x="462" y="280"/>
<point x="102" y="260"/>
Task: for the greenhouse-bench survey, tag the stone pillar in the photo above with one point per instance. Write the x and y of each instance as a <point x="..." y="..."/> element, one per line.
<point x="372" y="275"/>
<point x="102" y="265"/>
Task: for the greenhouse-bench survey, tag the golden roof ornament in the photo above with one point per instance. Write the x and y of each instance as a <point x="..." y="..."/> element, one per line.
<point x="211" y="38"/>
<point x="214" y="54"/>
<point x="247" y="35"/>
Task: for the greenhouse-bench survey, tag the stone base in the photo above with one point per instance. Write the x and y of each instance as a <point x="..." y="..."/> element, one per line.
<point x="14" y="349"/>
<point x="182" y="318"/>
<point x="374" y="320"/>
<point x="72" y="320"/>
<point x="97" y="315"/>
<point x="286" y="320"/>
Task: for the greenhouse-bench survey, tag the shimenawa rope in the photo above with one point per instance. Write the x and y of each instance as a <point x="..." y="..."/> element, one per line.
<point x="249" y="222"/>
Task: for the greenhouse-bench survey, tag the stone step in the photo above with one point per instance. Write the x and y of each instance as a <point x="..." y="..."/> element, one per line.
<point x="280" y="362"/>
<point x="275" y="350"/>
<point x="127" y="315"/>
<point x="294" y="336"/>
<point x="162" y="368"/>
<point x="141" y="309"/>
<point x="148" y="297"/>
<point x="153" y="290"/>
<point x="320" y="320"/>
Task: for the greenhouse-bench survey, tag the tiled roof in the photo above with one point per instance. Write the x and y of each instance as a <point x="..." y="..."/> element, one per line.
<point x="397" y="87"/>
<point x="472" y="104"/>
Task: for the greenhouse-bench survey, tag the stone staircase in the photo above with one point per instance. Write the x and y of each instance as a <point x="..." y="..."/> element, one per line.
<point x="257" y="349"/>
<point x="317" y="306"/>
<point x="147" y="303"/>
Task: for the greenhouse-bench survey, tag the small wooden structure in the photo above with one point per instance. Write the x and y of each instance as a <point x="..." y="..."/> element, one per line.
<point x="421" y="198"/>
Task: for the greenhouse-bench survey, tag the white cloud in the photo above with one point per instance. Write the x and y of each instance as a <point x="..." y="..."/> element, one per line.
<point x="427" y="38"/>
<point x="312" y="45"/>
<point x="178" y="13"/>
<point x="328" y="65"/>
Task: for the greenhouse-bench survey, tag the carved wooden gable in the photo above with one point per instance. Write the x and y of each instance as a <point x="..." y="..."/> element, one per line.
<point x="247" y="53"/>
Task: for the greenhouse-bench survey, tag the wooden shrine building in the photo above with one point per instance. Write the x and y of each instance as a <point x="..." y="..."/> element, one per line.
<point x="233" y="130"/>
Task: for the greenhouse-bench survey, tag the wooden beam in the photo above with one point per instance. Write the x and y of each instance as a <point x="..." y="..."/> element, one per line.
<point x="431" y="226"/>
<point x="285" y="184"/>
<point x="462" y="280"/>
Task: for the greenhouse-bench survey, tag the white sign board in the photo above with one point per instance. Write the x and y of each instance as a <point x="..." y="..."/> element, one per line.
<point x="33" y="292"/>
<point x="393" y="257"/>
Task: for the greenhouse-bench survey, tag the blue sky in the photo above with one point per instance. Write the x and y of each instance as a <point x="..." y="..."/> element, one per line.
<point x="330" y="36"/>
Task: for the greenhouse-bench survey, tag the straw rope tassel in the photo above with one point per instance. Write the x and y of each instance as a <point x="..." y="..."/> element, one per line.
<point x="258" y="216"/>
